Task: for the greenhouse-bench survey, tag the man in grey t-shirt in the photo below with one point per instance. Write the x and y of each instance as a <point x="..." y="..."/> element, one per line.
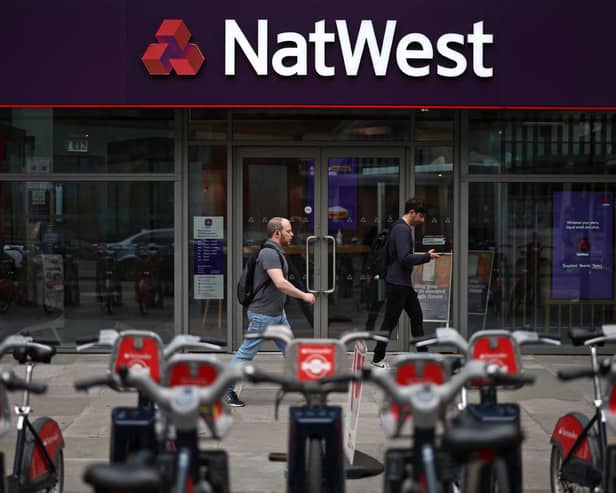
<point x="267" y="307"/>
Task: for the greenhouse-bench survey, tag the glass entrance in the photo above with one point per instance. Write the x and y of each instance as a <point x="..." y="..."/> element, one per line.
<point x="363" y="195"/>
<point x="337" y="202"/>
<point x="281" y="184"/>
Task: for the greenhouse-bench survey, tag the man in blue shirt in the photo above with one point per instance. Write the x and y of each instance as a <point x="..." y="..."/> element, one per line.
<point x="399" y="292"/>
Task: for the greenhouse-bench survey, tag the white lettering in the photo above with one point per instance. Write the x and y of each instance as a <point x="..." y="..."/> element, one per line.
<point x="233" y="35"/>
<point x="379" y="58"/>
<point x="442" y="46"/>
<point x="319" y="37"/>
<point x="404" y="52"/>
<point x="414" y="51"/>
<point x="478" y="39"/>
<point x="298" y="52"/>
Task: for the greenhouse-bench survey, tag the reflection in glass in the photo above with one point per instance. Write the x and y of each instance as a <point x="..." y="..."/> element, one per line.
<point x="207" y="257"/>
<point x="363" y="196"/>
<point x="315" y="125"/>
<point x="74" y="256"/>
<point x="39" y="140"/>
<point x="284" y="187"/>
<point x="563" y="142"/>
<point x="531" y="240"/>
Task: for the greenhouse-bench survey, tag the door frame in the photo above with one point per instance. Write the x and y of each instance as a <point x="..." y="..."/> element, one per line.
<point x="320" y="155"/>
<point x="237" y="208"/>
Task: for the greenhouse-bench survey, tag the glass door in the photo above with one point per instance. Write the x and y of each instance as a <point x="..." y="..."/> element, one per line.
<point x="337" y="202"/>
<point x="281" y="182"/>
<point x="362" y="199"/>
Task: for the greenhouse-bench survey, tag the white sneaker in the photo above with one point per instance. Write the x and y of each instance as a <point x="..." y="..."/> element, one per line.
<point x="381" y="364"/>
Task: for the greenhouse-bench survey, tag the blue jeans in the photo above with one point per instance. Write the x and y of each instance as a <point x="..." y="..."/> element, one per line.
<point x="258" y="323"/>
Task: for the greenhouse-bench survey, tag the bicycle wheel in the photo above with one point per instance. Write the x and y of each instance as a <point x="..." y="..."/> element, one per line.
<point x="314" y="466"/>
<point x="557" y="485"/>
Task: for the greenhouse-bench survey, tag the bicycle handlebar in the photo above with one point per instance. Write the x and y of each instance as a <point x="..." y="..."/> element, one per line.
<point x="575" y="373"/>
<point x="43" y="352"/>
<point x="88" y="383"/>
<point x="379" y="336"/>
<point x="529" y="337"/>
<point x="427" y="399"/>
<point x="445" y="336"/>
<point x="13" y="382"/>
<point x="288" y="384"/>
<point x="106" y="338"/>
<point x="182" y="399"/>
<point x="180" y="342"/>
<point x="604" y="368"/>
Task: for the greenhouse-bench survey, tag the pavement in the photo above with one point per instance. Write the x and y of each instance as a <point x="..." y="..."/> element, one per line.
<point x="85" y="421"/>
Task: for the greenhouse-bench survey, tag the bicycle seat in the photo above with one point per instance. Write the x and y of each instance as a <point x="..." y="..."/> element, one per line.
<point x="579" y="335"/>
<point x="125" y="477"/>
<point x="34" y="354"/>
<point x="468" y="433"/>
<point x="475" y="437"/>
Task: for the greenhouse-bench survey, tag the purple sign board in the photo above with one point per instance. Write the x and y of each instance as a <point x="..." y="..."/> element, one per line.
<point x="209" y="256"/>
<point x="511" y="53"/>
<point x="582" y="246"/>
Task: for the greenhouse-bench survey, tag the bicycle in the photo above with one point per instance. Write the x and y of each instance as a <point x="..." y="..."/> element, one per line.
<point x="431" y="465"/>
<point x="315" y="455"/>
<point x="185" y="468"/>
<point x="578" y="456"/>
<point x="133" y="427"/>
<point x="108" y="285"/>
<point x="503" y="349"/>
<point x="39" y="459"/>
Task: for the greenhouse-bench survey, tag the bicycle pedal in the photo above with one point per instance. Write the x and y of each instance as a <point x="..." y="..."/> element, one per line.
<point x="277" y="457"/>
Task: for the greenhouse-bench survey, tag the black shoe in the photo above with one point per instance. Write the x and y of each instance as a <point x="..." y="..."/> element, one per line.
<point x="232" y="400"/>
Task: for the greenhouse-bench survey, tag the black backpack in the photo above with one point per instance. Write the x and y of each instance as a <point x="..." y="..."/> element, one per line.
<point x="246" y="291"/>
<point x="378" y="257"/>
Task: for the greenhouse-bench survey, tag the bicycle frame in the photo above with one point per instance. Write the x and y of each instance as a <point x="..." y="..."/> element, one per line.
<point x="40" y="442"/>
<point x="314" y="427"/>
<point x="583" y="442"/>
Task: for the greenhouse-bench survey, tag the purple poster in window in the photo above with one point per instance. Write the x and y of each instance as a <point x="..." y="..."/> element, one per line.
<point x="342" y="193"/>
<point x="582" y="241"/>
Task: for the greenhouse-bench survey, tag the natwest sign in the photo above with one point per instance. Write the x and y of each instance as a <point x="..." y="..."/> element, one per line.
<point x="413" y="54"/>
<point x="323" y="53"/>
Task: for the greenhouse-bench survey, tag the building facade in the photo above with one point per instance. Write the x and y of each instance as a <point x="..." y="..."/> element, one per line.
<point x="138" y="168"/>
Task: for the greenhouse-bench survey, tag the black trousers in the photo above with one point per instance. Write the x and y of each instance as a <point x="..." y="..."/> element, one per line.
<point x="399" y="298"/>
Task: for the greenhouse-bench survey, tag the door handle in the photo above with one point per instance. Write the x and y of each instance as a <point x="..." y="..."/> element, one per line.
<point x="333" y="240"/>
<point x="308" y="240"/>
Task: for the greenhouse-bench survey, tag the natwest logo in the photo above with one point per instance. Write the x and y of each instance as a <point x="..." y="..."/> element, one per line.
<point x="173" y="51"/>
<point x="415" y="53"/>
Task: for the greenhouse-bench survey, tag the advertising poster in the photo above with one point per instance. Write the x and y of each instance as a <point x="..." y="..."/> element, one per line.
<point x="342" y="193"/>
<point x="432" y="281"/>
<point x="582" y="246"/>
<point x="209" y="255"/>
<point x="479" y="275"/>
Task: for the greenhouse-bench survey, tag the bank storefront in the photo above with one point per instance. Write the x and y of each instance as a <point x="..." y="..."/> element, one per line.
<point x="136" y="179"/>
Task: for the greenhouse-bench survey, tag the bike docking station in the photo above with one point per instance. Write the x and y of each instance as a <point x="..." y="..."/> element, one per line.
<point x="321" y="452"/>
<point x="357" y="464"/>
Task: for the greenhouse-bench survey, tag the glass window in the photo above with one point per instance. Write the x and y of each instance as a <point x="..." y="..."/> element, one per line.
<point x="207" y="124"/>
<point x="86" y="141"/>
<point x="541" y="256"/>
<point x="79" y="257"/>
<point x="208" y="241"/>
<point x="311" y="125"/>
<point x="434" y="125"/>
<point x="542" y="142"/>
